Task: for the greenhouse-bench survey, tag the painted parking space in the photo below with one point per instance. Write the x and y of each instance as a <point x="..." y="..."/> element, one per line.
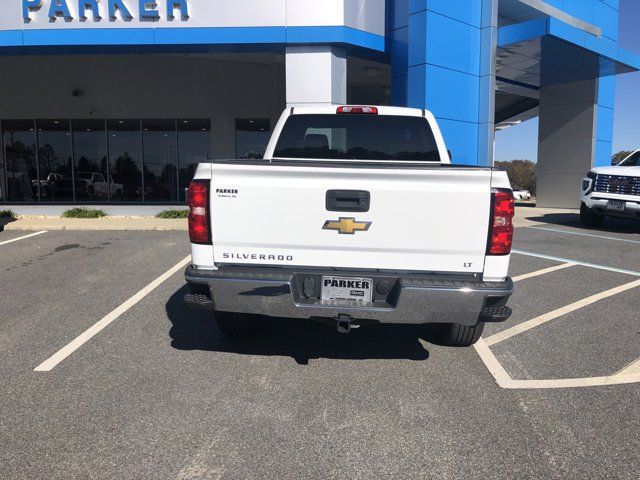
<point x="575" y="323"/>
<point x="57" y="285"/>
<point x="611" y="253"/>
<point x="554" y="290"/>
<point x="7" y="238"/>
<point x="595" y="341"/>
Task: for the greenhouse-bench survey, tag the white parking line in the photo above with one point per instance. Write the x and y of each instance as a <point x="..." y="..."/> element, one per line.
<point x="547" y="317"/>
<point x="22" y="238"/>
<point x="630" y="374"/>
<point x="578" y="262"/>
<point x="83" y="338"/>
<point x="632" y="369"/>
<point x="569" y="232"/>
<point x="544" y="271"/>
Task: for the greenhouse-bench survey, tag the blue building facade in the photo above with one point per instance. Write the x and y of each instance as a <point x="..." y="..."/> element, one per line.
<point x="478" y="65"/>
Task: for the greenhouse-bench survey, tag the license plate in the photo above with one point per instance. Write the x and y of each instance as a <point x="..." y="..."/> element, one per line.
<point x="616" y="205"/>
<point x="346" y="289"/>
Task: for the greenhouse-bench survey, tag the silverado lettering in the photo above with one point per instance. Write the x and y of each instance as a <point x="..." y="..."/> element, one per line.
<point x="257" y="256"/>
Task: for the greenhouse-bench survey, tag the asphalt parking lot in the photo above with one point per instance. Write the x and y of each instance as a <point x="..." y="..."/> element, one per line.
<point x="105" y="374"/>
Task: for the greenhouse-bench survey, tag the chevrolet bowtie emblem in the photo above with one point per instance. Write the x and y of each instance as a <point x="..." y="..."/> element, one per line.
<point x="346" y="226"/>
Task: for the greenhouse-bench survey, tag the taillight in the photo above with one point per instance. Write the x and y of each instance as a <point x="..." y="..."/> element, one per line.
<point x="350" y="109"/>
<point x="198" y="197"/>
<point x="501" y="228"/>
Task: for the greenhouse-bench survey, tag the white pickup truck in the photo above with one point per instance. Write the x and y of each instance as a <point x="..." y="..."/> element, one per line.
<point x="611" y="192"/>
<point x="356" y="215"/>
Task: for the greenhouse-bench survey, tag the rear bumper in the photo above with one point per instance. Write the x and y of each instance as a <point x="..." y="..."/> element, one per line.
<point x="409" y="299"/>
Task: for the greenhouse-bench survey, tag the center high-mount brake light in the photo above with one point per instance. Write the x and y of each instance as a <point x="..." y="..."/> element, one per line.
<point x="501" y="227"/>
<point x="349" y="109"/>
<point x="198" y="197"/>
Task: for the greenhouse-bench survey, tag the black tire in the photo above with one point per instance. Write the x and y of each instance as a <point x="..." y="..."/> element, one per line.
<point x="235" y="324"/>
<point x="455" y="335"/>
<point x="589" y="218"/>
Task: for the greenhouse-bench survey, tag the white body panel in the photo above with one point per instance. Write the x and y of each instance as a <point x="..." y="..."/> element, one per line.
<point x="421" y="219"/>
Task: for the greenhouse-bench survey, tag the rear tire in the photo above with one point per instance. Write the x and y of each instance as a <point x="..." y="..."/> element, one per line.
<point x="455" y="335"/>
<point x="589" y="218"/>
<point x="235" y="324"/>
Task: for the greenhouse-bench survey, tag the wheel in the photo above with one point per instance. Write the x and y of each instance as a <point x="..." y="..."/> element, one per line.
<point x="455" y="335"/>
<point x="588" y="218"/>
<point x="235" y="324"/>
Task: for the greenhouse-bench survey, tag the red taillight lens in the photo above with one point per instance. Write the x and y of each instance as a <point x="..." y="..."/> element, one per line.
<point x="199" y="211"/>
<point x="501" y="228"/>
<point x="350" y="109"/>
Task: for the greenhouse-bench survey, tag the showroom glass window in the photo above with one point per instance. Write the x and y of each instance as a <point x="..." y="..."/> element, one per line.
<point x="125" y="159"/>
<point x="18" y="172"/>
<point x="252" y="137"/>
<point x="160" y="160"/>
<point x="194" y="146"/>
<point x="90" y="160"/>
<point x="54" y="160"/>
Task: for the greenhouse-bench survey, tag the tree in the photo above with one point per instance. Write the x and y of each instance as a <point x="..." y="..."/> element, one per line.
<point x="618" y="157"/>
<point x="522" y="174"/>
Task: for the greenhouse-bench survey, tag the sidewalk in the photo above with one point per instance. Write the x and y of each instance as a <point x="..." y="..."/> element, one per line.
<point x="38" y="223"/>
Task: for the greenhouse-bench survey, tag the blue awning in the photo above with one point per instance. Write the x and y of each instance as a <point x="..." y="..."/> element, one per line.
<point x="547" y="51"/>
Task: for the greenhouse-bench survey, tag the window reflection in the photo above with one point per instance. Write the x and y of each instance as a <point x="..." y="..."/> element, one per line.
<point x="194" y="146"/>
<point x="160" y="165"/>
<point x="252" y="137"/>
<point x="90" y="161"/>
<point x="125" y="159"/>
<point x="19" y="179"/>
<point x="54" y="160"/>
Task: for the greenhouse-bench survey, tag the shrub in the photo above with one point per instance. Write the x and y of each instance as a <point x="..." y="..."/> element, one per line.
<point x="7" y="214"/>
<point x="522" y="174"/>
<point x="173" y="214"/>
<point x="84" y="213"/>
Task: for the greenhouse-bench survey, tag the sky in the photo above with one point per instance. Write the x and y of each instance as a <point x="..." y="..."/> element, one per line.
<point x="521" y="141"/>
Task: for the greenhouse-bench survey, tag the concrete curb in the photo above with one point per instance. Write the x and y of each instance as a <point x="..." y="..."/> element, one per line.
<point x="29" y="224"/>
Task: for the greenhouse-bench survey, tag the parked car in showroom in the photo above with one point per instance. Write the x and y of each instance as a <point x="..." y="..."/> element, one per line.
<point x="95" y="185"/>
<point x="611" y="192"/>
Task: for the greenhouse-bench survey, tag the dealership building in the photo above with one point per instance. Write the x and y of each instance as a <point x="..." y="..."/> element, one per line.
<point x="116" y="101"/>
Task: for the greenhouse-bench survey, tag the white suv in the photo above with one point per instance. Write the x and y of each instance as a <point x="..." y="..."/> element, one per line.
<point x="611" y="192"/>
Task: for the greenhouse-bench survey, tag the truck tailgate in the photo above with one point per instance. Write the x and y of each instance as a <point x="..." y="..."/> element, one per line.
<point x="432" y="219"/>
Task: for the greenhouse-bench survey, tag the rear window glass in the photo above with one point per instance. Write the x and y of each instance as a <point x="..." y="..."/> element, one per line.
<point x="357" y="137"/>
